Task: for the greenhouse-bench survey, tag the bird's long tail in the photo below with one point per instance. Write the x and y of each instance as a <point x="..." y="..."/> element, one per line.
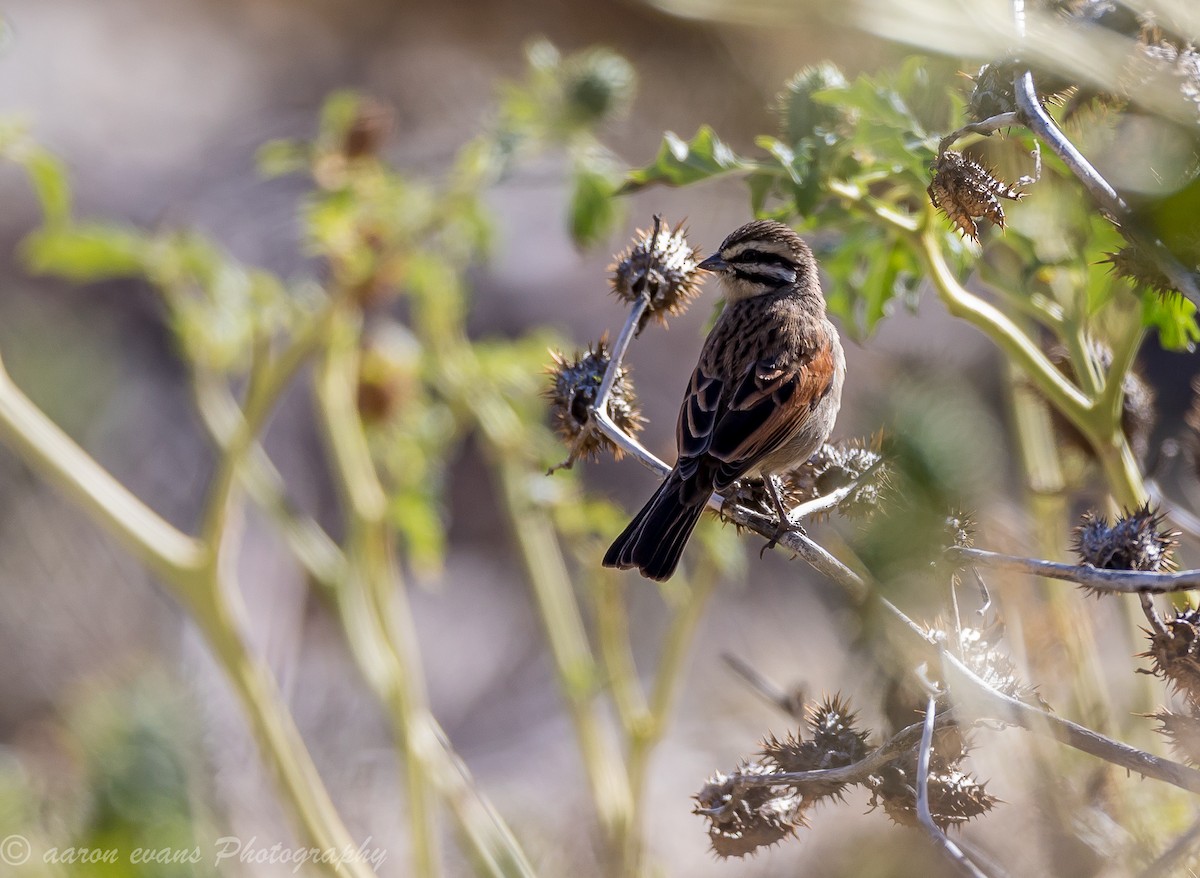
<point x="655" y="538"/>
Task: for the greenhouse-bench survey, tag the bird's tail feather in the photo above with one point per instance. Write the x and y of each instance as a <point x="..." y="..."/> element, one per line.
<point x="655" y="539"/>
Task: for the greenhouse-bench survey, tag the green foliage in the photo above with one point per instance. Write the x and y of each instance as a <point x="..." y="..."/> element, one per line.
<point x="681" y="163"/>
<point x="46" y="173"/>
<point x="852" y="152"/>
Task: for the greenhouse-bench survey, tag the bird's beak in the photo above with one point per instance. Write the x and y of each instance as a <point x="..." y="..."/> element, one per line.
<point x="714" y="263"/>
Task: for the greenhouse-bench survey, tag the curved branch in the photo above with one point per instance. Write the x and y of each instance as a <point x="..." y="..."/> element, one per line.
<point x="1115" y="581"/>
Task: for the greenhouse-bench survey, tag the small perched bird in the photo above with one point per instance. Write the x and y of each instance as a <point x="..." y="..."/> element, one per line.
<point x="762" y="399"/>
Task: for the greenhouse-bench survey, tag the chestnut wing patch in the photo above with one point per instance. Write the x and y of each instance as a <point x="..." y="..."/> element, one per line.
<point x="740" y="425"/>
<point x="766" y="409"/>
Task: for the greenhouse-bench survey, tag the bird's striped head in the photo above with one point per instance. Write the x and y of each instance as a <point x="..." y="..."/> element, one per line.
<point x="763" y="257"/>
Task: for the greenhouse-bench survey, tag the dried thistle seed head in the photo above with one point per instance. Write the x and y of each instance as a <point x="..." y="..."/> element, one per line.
<point x="1182" y="731"/>
<point x="1136" y="541"/>
<point x="1135" y="264"/>
<point x="965" y="190"/>
<point x="839" y="464"/>
<point x="954" y="795"/>
<point x="836" y="743"/>
<point x="574" y="383"/>
<point x="800" y="115"/>
<point x="992" y="92"/>
<point x="1175" y="655"/>
<point x="661" y="265"/>
<point x="834" y="729"/>
<point x="743" y="818"/>
<point x="978" y="650"/>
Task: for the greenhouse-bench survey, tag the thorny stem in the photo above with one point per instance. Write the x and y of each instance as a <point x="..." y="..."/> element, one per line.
<point x="924" y="815"/>
<point x="1117" y="581"/>
<point x="889" y="751"/>
<point x="986" y="127"/>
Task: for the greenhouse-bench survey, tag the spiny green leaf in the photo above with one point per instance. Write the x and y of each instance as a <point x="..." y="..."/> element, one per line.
<point x="680" y="163"/>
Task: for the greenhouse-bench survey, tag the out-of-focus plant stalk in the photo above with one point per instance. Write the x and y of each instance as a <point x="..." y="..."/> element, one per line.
<point x="371" y="590"/>
<point x="191" y="571"/>
<point x="578" y="674"/>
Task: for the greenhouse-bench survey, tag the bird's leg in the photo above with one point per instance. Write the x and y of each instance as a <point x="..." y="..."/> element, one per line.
<point x="774" y="489"/>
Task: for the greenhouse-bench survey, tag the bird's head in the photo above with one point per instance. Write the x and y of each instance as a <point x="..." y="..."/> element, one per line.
<point x="763" y="257"/>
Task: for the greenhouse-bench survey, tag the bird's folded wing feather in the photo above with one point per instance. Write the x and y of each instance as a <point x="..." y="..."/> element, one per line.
<point x="741" y="424"/>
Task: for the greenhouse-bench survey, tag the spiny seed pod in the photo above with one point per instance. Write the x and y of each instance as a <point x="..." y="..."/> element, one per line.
<point x="1136" y="265"/>
<point x="597" y="84"/>
<point x="836" y="743"/>
<point x="743" y="818"/>
<point x="661" y="265"/>
<point x="1175" y="655"/>
<point x="802" y="117"/>
<point x="993" y="93"/>
<point x="993" y="664"/>
<point x="955" y="796"/>
<point x="1182" y="732"/>
<point x="574" y="383"/>
<point x="965" y="190"/>
<point x="836" y="465"/>
<point x="1136" y="541"/>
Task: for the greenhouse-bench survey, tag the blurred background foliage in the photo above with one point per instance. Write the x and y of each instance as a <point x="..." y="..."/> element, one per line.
<point x="208" y="226"/>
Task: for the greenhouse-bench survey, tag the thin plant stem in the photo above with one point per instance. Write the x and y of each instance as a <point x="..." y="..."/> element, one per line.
<point x="373" y="585"/>
<point x="924" y="815"/>
<point x="188" y="568"/>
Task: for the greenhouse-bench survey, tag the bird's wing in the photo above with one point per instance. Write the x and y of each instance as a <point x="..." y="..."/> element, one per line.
<point x="740" y="423"/>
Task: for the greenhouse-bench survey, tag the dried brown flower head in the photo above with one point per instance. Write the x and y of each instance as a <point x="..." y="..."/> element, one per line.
<point x="1175" y="655"/>
<point x="992" y="92"/>
<point x="742" y="817"/>
<point x="837" y="465"/>
<point x="1135" y="541"/>
<point x="955" y="796"/>
<point x="661" y="265"/>
<point x="1182" y="731"/>
<point x="836" y="742"/>
<point x="574" y="383"/>
<point x="965" y="190"/>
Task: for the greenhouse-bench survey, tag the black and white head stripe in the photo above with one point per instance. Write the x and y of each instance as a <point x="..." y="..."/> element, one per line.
<point x="766" y="252"/>
<point x="754" y="261"/>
